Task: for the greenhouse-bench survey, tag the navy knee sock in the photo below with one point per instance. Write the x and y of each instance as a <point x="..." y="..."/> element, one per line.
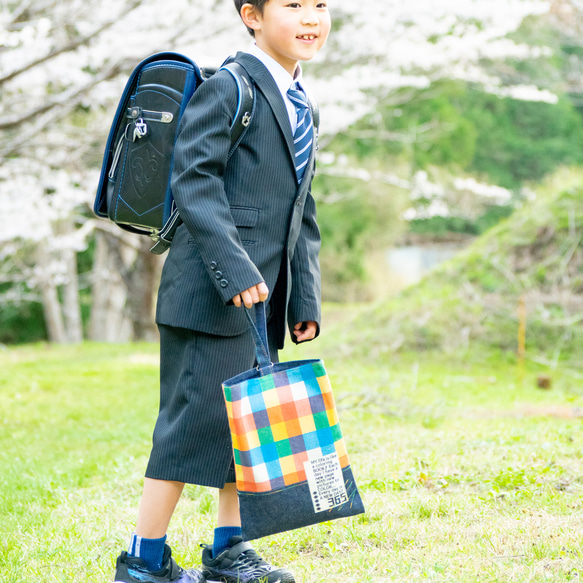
<point x="151" y="550"/>
<point x="223" y="535"/>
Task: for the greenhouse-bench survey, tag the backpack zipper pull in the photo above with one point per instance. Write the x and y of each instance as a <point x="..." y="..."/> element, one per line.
<point x="140" y="129"/>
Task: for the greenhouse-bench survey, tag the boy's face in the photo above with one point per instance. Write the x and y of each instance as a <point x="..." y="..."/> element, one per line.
<point x="290" y="31"/>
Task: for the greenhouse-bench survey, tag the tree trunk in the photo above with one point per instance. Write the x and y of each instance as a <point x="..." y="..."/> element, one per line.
<point x="50" y="299"/>
<point x="71" y="304"/>
<point x="142" y="293"/>
<point x="125" y="284"/>
<point x="108" y="322"/>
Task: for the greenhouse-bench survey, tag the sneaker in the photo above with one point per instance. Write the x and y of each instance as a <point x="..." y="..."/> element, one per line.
<point x="239" y="563"/>
<point x="133" y="570"/>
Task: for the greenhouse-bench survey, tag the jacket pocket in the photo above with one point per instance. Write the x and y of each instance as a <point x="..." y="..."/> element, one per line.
<point x="244" y="216"/>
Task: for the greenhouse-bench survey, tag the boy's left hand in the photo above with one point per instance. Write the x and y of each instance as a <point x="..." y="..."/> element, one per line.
<point x="305" y="331"/>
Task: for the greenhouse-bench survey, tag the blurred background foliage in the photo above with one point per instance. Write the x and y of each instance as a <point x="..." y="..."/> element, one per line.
<point x="472" y="302"/>
<point x="451" y="128"/>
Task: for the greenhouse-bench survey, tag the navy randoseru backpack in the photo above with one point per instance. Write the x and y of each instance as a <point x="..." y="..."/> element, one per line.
<point x="134" y="187"/>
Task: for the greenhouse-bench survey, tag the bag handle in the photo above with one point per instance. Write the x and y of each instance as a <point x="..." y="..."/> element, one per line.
<point x="259" y="332"/>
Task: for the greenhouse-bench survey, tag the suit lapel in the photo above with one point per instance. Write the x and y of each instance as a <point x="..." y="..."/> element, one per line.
<point x="268" y="87"/>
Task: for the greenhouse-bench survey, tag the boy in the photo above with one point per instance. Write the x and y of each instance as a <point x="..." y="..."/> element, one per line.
<point x="249" y="235"/>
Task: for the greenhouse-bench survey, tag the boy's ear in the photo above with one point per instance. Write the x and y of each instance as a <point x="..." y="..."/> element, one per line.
<point x="251" y="16"/>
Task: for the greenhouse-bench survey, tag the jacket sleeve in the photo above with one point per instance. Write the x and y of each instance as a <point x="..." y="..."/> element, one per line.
<point x="200" y="160"/>
<point x="305" y="299"/>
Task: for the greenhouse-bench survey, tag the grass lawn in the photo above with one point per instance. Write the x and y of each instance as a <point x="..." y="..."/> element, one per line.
<point x="468" y="471"/>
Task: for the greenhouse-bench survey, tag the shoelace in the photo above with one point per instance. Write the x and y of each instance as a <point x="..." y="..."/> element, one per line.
<point x="250" y="558"/>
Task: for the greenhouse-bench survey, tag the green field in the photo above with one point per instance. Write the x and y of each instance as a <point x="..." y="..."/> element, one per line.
<point x="469" y="472"/>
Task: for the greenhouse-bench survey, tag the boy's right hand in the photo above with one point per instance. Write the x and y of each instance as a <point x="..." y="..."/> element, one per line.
<point x="253" y="295"/>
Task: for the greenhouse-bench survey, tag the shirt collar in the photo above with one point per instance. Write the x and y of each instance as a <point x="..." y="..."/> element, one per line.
<point x="282" y="78"/>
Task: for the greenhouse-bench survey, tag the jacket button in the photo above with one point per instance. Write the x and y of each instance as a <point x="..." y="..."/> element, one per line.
<point x="219" y="274"/>
<point x="224" y="283"/>
<point x="214" y="265"/>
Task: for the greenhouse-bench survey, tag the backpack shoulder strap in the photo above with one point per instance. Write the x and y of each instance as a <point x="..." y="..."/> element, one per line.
<point x="241" y="121"/>
<point x="245" y="103"/>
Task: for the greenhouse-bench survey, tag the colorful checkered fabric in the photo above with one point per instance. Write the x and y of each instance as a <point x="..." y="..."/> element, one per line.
<point x="280" y="421"/>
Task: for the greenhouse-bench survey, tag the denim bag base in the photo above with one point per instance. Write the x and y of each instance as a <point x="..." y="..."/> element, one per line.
<point x="291" y="464"/>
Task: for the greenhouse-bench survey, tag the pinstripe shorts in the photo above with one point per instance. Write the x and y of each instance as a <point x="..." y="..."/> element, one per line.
<point x="192" y="441"/>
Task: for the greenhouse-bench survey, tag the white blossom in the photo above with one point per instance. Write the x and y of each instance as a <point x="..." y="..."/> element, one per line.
<point x="436" y="208"/>
<point x="495" y="193"/>
<point x="423" y="188"/>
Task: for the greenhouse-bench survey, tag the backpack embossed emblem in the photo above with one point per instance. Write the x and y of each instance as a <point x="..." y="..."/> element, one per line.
<point x="145" y="165"/>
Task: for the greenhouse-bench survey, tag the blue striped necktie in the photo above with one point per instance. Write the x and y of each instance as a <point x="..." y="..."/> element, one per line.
<point x="304" y="135"/>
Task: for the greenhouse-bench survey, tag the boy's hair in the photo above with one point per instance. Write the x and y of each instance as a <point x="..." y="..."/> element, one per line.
<point x="259" y="4"/>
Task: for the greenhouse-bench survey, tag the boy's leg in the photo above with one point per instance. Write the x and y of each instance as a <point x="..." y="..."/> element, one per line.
<point x="157" y="505"/>
<point x="159" y="501"/>
<point x="228" y="518"/>
<point x="228" y="507"/>
<point x="148" y="543"/>
<point x="149" y="558"/>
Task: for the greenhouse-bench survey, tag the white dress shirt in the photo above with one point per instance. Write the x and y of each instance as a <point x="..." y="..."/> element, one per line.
<point x="282" y="79"/>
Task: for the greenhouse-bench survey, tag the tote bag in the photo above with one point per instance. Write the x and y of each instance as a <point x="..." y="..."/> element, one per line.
<point x="291" y="464"/>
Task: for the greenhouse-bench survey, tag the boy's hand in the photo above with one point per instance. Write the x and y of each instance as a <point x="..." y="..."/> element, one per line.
<point x="253" y="295"/>
<point x="305" y="331"/>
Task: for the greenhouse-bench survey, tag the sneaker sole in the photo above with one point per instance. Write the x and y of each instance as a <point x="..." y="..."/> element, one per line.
<point x="200" y="579"/>
<point x="285" y="580"/>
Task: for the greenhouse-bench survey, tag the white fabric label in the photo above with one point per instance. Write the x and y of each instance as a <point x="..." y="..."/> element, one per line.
<point x="326" y="482"/>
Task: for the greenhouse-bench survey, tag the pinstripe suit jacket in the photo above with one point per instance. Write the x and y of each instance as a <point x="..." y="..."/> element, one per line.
<point x="245" y="219"/>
